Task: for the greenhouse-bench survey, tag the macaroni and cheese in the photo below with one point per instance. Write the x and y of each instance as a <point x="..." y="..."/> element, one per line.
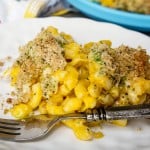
<point x="139" y="6"/>
<point x="55" y="75"/>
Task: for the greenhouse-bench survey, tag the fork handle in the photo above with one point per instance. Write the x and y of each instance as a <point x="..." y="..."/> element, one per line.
<point x="116" y="113"/>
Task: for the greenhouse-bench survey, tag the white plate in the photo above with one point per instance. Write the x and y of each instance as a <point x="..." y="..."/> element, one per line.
<point x="3" y="11"/>
<point x="83" y="30"/>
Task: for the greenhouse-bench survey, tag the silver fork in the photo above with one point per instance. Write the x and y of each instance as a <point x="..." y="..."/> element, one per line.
<point x="36" y="128"/>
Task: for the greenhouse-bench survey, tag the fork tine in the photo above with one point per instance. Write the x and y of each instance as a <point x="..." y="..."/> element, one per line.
<point x="12" y="127"/>
<point x="10" y="121"/>
<point x="30" y="129"/>
<point x="4" y="135"/>
<point x="9" y="129"/>
<point x="8" y="132"/>
<point x="9" y="124"/>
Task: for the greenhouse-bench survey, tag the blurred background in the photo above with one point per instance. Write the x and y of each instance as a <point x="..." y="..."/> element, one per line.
<point x="132" y="14"/>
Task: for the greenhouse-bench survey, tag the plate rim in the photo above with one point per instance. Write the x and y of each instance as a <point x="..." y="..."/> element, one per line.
<point x="76" y="18"/>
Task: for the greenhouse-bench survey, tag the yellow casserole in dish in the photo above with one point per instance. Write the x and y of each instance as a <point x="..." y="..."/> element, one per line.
<point x="139" y="6"/>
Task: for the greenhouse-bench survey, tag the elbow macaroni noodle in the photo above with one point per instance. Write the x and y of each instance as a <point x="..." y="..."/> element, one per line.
<point x="80" y="87"/>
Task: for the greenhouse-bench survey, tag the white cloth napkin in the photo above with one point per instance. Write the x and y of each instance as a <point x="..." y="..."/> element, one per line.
<point x="11" y="10"/>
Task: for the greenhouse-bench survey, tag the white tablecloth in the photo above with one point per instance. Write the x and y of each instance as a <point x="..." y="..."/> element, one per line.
<point x="11" y="10"/>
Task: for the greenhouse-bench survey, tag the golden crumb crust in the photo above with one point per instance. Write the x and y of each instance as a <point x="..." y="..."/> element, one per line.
<point x="121" y="63"/>
<point x="45" y="51"/>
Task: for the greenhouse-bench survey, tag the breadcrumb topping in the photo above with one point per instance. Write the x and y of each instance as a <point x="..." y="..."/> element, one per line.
<point x="139" y="6"/>
<point x="42" y="52"/>
<point x="121" y="63"/>
<point x="1" y="63"/>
